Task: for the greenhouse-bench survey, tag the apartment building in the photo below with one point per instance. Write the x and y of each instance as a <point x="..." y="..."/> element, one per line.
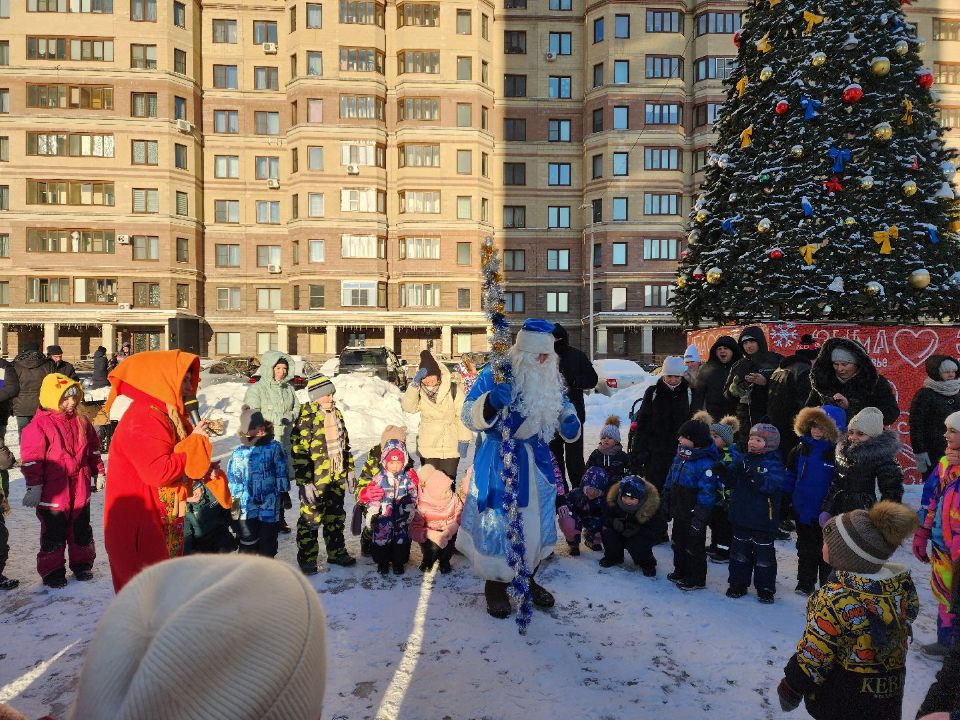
<point x="233" y="177"/>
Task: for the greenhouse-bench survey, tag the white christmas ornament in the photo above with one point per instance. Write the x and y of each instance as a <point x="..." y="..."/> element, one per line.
<point x="851" y="42"/>
<point x="836" y="285"/>
<point x="949" y="169"/>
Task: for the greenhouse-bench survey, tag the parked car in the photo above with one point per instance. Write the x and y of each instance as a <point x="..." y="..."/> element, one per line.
<point x="303" y="369"/>
<point x="617" y="374"/>
<point x="378" y="362"/>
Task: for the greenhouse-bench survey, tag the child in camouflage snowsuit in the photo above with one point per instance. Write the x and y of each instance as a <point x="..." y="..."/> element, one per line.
<point x="370" y="469"/>
<point x="322" y="464"/>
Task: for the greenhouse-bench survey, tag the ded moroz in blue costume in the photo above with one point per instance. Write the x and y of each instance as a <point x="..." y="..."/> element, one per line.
<point x="535" y="406"/>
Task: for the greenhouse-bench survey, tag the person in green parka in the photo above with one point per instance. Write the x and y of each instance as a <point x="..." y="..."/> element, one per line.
<point x="276" y="400"/>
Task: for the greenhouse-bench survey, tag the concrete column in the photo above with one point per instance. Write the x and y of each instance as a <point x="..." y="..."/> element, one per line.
<point x="3" y="339"/>
<point x="331" y="334"/>
<point x="108" y="337"/>
<point x="283" y="337"/>
<point x="602" y="340"/>
<point x="446" y="340"/>
<point x="164" y="340"/>
<point x="646" y="340"/>
<point x="50" y="335"/>
<point x="389" y="331"/>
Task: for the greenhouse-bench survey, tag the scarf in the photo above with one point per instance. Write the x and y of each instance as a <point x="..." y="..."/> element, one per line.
<point x="431" y="392"/>
<point x="947" y="388"/>
<point x="610" y="451"/>
<point x="684" y="452"/>
<point x="333" y="434"/>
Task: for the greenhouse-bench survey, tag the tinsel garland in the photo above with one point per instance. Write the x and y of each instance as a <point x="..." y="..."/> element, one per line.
<point x="492" y="299"/>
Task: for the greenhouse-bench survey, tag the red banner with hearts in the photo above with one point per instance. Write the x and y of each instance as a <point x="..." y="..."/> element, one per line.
<point x="898" y="352"/>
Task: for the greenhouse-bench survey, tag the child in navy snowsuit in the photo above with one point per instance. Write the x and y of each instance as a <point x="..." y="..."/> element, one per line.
<point x="609" y="454"/>
<point x="391" y="501"/>
<point x="757" y="479"/>
<point x="692" y="490"/>
<point x="631" y="522"/>
<point x="724" y="434"/>
<point x="809" y="473"/>
<point x="586" y="504"/>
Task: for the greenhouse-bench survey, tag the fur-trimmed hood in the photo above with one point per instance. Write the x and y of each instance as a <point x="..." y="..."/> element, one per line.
<point x="647" y="510"/>
<point x="932" y="365"/>
<point x="878" y="449"/>
<point x="830" y="419"/>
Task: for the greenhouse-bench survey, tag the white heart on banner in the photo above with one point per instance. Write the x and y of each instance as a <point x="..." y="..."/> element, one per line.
<point x="915" y="346"/>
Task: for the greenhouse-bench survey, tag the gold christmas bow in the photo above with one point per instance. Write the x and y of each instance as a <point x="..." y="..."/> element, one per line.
<point x="774" y="3"/>
<point x="812" y="19"/>
<point x="908" y="115"/>
<point x="808" y="252"/>
<point x="742" y="85"/>
<point x="764" y="44"/>
<point x="745" y="137"/>
<point x="883" y="238"/>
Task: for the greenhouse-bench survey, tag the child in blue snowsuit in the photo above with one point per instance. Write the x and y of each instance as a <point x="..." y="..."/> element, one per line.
<point x="809" y="473"/>
<point x="724" y="434"/>
<point x="257" y="474"/>
<point x="691" y="488"/>
<point x="391" y="501"/>
<point x="587" y="504"/>
<point x="757" y="479"/>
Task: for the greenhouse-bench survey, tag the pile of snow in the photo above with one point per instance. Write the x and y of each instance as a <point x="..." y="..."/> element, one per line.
<point x="599" y="407"/>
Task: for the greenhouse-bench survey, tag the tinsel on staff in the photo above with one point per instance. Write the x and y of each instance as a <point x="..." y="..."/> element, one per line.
<point x="492" y="299"/>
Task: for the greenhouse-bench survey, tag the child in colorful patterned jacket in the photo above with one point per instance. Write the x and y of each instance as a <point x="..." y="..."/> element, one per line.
<point x="391" y="501"/>
<point x="586" y="505"/>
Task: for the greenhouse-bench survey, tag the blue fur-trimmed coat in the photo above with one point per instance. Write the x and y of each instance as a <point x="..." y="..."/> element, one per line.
<point x="483" y="533"/>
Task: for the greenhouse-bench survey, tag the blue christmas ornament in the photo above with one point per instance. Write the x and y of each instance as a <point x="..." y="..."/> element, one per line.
<point x="932" y="232"/>
<point x="809" y="106"/>
<point x="839" y="157"/>
<point x="727" y="224"/>
<point x="807" y="207"/>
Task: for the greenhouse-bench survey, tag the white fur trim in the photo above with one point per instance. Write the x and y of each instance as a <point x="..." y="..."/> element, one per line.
<point x="535" y="343"/>
<point x="476" y="414"/>
<point x="848" y="541"/>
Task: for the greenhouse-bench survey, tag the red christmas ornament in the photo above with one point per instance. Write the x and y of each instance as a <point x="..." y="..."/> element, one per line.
<point x="736" y="37"/>
<point x="698" y="274"/>
<point x="776" y="254"/>
<point x="914" y="163"/>
<point x="683" y="254"/>
<point x="852" y="93"/>
<point x="833" y="184"/>
<point x="782" y="107"/>
<point x="925" y="79"/>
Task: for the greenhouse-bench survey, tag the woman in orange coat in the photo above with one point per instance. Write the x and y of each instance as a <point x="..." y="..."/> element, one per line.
<point x="155" y="457"/>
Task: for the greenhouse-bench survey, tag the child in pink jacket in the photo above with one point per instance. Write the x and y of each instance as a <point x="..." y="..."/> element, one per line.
<point x="60" y="458"/>
<point x="437" y="520"/>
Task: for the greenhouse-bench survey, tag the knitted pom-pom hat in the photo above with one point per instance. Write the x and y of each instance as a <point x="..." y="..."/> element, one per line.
<point x="611" y="429"/>
<point x="861" y="541"/>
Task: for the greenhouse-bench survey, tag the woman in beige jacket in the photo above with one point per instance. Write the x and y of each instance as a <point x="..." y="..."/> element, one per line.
<point x="438" y="397"/>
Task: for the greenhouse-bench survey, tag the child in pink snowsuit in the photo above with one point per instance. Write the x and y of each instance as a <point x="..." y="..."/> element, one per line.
<point x="60" y="457"/>
<point x="437" y="519"/>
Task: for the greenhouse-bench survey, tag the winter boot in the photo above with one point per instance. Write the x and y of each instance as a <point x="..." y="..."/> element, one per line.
<point x="445" y="568"/>
<point x="383" y="568"/>
<point x="687" y="586"/>
<point x="765" y="596"/>
<point x="398" y="569"/>
<point x="608" y="562"/>
<point x="650" y="571"/>
<point x="309" y="569"/>
<point x="56" y="579"/>
<point x="675" y="577"/>
<point x="574" y="548"/>
<point x="365" y="544"/>
<point x="736" y="591"/>
<point x="425" y="566"/>
<point x="498" y="604"/>
<point x="541" y="597"/>
<point x="342" y="559"/>
<point x="83" y="574"/>
<point x="803" y="590"/>
<point x="7" y="583"/>
<point x="935" y="650"/>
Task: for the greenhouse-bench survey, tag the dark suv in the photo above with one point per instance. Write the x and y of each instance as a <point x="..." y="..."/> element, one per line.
<point x="375" y="362"/>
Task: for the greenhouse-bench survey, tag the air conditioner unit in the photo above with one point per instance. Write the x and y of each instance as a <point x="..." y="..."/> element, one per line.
<point x="353" y="169"/>
<point x="273" y="183"/>
<point x="184" y="126"/>
<point x="124" y="306"/>
<point x="274" y="269"/>
<point x="550" y="57"/>
<point x="270" y="48"/>
<point x="124" y="240"/>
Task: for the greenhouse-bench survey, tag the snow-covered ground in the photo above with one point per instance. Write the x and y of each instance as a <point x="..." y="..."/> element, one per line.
<point x="616" y="645"/>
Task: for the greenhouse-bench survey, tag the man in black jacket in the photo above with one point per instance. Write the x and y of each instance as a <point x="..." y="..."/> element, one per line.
<point x="788" y="391"/>
<point x="55" y="353"/>
<point x="101" y="369"/>
<point x="749" y="379"/>
<point x="578" y="375"/>
<point x="22" y="386"/>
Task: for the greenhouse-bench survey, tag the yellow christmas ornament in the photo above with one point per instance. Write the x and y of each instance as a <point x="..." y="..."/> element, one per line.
<point x="742" y="85"/>
<point x="818" y="59"/>
<point x="909" y="188"/>
<point x="883" y="238"/>
<point x="919" y="279"/>
<point x="849" y="221"/>
<point x="766" y="72"/>
<point x="811" y="20"/>
<point x="908" y="115"/>
<point x="745" y="137"/>
<point x="764" y="225"/>
<point x="955" y="226"/>
<point x="880" y="66"/>
<point x="808" y="251"/>
<point x="874" y="288"/>
<point x="714" y="275"/>
<point x="681" y="281"/>
<point x="764" y="44"/>
<point x="702" y="216"/>
<point x="882" y="132"/>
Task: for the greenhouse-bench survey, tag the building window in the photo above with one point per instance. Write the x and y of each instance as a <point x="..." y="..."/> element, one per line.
<point x="62" y="192"/>
<point x="228" y="343"/>
<point x="464" y="208"/>
<point x="561" y="4"/>
<point x="514" y="4"/>
<point x="314" y="16"/>
<point x="70" y="144"/>
<point x="484" y="116"/>
<point x="946" y="73"/>
<point x="183" y="250"/>
<point x="700" y="159"/>
<point x="315" y="251"/>
<point x="558" y="174"/>
<point x="621" y="72"/>
<point x="515" y="42"/>
<point x="359" y="60"/>
<point x="596" y="206"/>
<point x="143" y="104"/>
<point x="266" y="78"/>
<point x="87" y="97"/>
<point x="365" y="107"/>
<point x="183" y="296"/>
<point x="598" y="75"/>
<point x="558" y="259"/>
<point x="267" y="341"/>
<point x="949" y="119"/>
<point x="661" y="248"/>
<point x="146" y="201"/>
<point x="661" y="204"/>
<point x="146" y="294"/>
<point x="621" y="164"/>
<point x="268" y="212"/>
<point x="946" y="29"/>
<point x="621" y="27"/>
<point x="317" y="299"/>
<point x="266" y="123"/>
<point x="228" y="298"/>
<point x="70" y="241"/>
<point x="227" y="255"/>
<point x="560" y="43"/>
<point x="95" y="290"/>
<point x="657" y="295"/>
<point x="423" y="248"/>
<point x="484" y="164"/>
<point x="514" y="173"/>
<point x="663" y="114"/>
<point x="418" y="109"/>
<point x="560" y="86"/>
<point x="314" y="159"/>
<point x="226" y="211"/>
<point x="361" y="13"/>
<point x="661" y="159"/>
<point x="366" y="200"/>
<point x="463" y="303"/>
<point x="226" y="121"/>
<point x="597" y="30"/>
<point x="558" y="217"/>
<point x="711" y="68"/>
<point x="268" y="255"/>
<point x="267" y="167"/>
<point x="464" y="115"/>
<point x="180" y="108"/>
<point x="559" y="131"/>
<point x="182" y="206"/>
<point x="464" y="253"/>
<point x="225" y="76"/>
<point x="598" y="120"/>
<point x="464" y="162"/>
<point x="558" y="302"/>
<point x="621" y="118"/>
<point x="618" y="302"/>
<point x="411" y="155"/>
<point x="619" y="253"/>
<point x="420" y="295"/>
<point x="514" y="260"/>
<point x="180" y="15"/>
<point x="514" y="216"/>
<point x="464" y="22"/>
<point x="264" y="32"/>
<point x="659" y="66"/>
<point x="143" y="57"/>
<point x="225" y="31"/>
<point x="226" y="166"/>
<point x="4" y="52"/>
<point x="268" y="298"/>
<point x="358" y="293"/>
<point x="717" y="22"/>
<point x="619" y="209"/>
<point x="514" y="129"/>
<point x="664" y="21"/>
<point x="315" y="205"/>
<point x="4" y="245"/>
<point x="513" y="302"/>
<point x="48" y="290"/>
<point x="418" y="14"/>
<point x="706" y="113"/>
<point x="597" y="161"/>
<point x="179" y="62"/>
<point x="4" y="293"/>
<point x="418" y="61"/>
<point x="484" y="26"/>
<point x="515" y="85"/>
<point x="145" y="152"/>
<point x="55" y="48"/>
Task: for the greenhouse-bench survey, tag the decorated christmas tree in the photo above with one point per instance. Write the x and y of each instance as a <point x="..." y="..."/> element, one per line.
<point x="828" y="194"/>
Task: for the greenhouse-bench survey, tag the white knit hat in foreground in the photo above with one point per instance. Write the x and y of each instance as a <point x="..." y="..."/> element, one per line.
<point x="208" y="637"/>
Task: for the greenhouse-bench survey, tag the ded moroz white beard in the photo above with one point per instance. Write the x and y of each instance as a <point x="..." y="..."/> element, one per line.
<point x="540" y="388"/>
